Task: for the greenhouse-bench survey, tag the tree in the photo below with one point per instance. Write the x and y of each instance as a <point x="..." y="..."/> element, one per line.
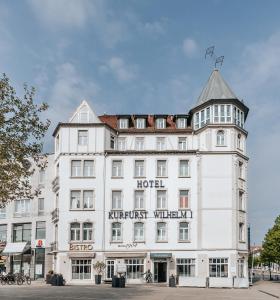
<point x="21" y="134"/>
<point x="271" y="246"/>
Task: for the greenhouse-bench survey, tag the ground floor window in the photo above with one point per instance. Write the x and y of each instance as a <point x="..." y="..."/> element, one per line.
<point x="110" y="269"/>
<point x="241" y="268"/>
<point x="186" y="267"/>
<point x="218" y="267"/>
<point x="81" y="269"/>
<point x="135" y="268"/>
<point x="39" y="263"/>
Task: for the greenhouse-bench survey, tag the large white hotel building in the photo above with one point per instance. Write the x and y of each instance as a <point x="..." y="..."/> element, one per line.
<point x="161" y="192"/>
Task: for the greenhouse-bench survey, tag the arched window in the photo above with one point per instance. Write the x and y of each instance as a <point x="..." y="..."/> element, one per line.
<point x="220" y="138"/>
<point x="116" y="232"/>
<point x="87" y="232"/>
<point x="75" y="231"/>
<point x="138" y="232"/>
<point x="183" y="231"/>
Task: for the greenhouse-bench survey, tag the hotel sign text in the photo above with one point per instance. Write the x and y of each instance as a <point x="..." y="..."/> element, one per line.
<point x="150" y="184"/>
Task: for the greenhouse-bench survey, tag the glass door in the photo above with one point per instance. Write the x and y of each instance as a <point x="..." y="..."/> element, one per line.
<point x="110" y="269"/>
<point x="155" y="271"/>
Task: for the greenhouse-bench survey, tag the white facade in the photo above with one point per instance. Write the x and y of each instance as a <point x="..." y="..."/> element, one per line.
<point x="162" y="193"/>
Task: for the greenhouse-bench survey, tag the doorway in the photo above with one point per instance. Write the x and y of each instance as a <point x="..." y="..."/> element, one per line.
<point x="160" y="270"/>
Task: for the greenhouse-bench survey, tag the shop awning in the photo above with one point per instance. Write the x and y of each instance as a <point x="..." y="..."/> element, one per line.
<point x="161" y="255"/>
<point x="125" y="255"/>
<point x="15" y="248"/>
<point x="81" y="255"/>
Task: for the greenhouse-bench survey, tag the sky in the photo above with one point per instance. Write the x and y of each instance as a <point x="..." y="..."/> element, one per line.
<point x="147" y="56"/>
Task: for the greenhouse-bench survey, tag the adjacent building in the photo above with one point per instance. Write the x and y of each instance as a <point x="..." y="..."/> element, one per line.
<point x="165" y="193"/>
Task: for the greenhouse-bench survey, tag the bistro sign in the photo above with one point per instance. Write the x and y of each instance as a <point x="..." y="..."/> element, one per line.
<point x="80" y="247"/>
<point x="165" y="214"/>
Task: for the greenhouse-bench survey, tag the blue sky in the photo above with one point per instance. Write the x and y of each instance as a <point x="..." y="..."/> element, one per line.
<point x="148" y="57"/>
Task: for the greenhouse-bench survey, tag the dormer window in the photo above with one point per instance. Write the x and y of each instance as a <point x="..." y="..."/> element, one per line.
<point x="181" y="123"/>
<point x="140" y="123"/>
<point x="123" y="123"/>
<point x="160" y="123"/>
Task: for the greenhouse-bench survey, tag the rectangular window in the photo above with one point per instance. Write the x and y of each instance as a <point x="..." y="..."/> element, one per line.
<point x="161" y="199"/>
<point x="161" y="168"/>
<point x="41" y="176"/>
<point x="222" y="107"/>
<point x="216" y="113"/>
<point x="183" y="231"/>
<point x="183" y="199"/>
<point x="184" y="169"/>
<point x="139" y="232"/>
<point x="22" y="232"/>
<point x="75" y="200"/>
<point x="116" y="168"/>
<point x="139" y="168"/>
<point x="76" y="168"/>
<point x="160" y="145"/>
<point x="82" y="137"/>
<point x="3" y="213"/>
<point x="218" y="267"/>
<point x="117" y="200"/>
<point x="241" y="268"/>
<point x="182" y="143"/>
<point x="228" y="114"/>
<point x="139" y="144"/>
<point x="196" y="121"/>
<point x="139" y="200"/>
<point x="241" y="201"/>
<point x="88" y="170"/>
<point x="135" y="268"/>
<point x="160" y="123"/>
<point x="116" y="232"/>
<point x="3" y="233"/>
<point x="112" y="142"/>
<point x="186" y="267"/>
<point x="41" y="206"/>
<point x="202" y="117"/>
<point x="208" y="116"/>
<point x="140" y="123"/>
<point x="40" y="230"/>
<point x="22" y="208"/>
<point x="88" y="198"/>
<point x="241" y="232"/>
<point x="75" y="232"/>
<point x="87" y="232"/>
<point x="161" y="232"/>
<point x="181" y="123"/>
<point x="123" y="123"/>
<point x="81" y="269"/>
<point x="121" y="143"/>
<point x="241" y="119"/>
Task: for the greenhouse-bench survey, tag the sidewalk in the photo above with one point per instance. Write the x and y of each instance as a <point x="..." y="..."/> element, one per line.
<point x="269" y="287"/>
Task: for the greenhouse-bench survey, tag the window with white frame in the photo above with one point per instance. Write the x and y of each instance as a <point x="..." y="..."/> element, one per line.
<point x="41" y="176"/>
<point x="228" y="114"/>
<point x="161" y="232"/>
<point x="117" y="168"/>
<point x="22" y="207"/>
<point x="82" y="137"/>
<point x="41" y="230"/>
<point x="184" y="168"/>
<point x="116" y="232"/>
<point x="3" y="232"/>
<point x="41" y="206"/>
<point x="218" y="267"/>
<point x="183" y="199"/>
<point x="88" y="199"/>
<point x="182" y="143"/>
<point x="241" y="232"/>
<point x="208" y="115"/>
<point x="140" y="123"/>
<point x="123" y="123"/>
<point x="181" y="123"/>
<point x="88" y="168"/>
<point x="116" y="200"/>
<point x="76" y="168"/>
<point x="160" y="123"/>
<point x="196" y="120"/>
<point x="216" y="113"/>
<point x="75" y="231"/>
<point x="185" y="267"/>
<point x="138" y="232"/>
<point x="161" y="168"/>
<point x="139" y="168"/>
<point x="81" y="269"/>
<point x="75" y="200"/>
<point x="161" y="199"/>
<point x="139" y="199"/>
<point x="121" y="143"/>
<point x="2" y="213"/>
<point x="134" y="268"/>
<point x="112" y="142"/>
<point x="202" y="118"/>
<point x="87" y="231"/>
<point x="139" y="143"/>
<point x="220" y="138"/>
<point x="82" y="199"/>
<point x="241" y="268"/>
<point x="222" y="113"/>
<point x="160" y="143"/>
<point x="184" y="231"/>
<point x="241" y="200"/>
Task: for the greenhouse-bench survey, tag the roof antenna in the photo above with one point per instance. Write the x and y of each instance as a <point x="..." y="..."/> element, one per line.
<point x="217" y="60"/>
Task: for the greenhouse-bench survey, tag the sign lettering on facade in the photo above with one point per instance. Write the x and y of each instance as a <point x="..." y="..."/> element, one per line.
<point x="80" y="247"/>
<point x="150" y="184"/>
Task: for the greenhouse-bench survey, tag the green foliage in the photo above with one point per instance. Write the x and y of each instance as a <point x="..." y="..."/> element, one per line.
<point x="271" y="244"/>
<point x="99" y="267"/>
<point x="21" y="134"/>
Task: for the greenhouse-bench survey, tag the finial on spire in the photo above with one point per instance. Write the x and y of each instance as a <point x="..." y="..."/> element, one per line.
<point x="217" y="60"/>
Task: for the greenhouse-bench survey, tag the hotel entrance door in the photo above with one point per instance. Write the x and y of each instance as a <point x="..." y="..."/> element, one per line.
<point x="160" y="271"/>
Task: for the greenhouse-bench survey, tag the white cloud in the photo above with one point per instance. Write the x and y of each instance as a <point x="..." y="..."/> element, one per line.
<point x="189" y="47"/>
<point x="119" y="69"/>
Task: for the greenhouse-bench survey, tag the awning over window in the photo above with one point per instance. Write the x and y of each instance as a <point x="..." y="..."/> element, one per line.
<point x="81" y="255"/>
<point x="15" y="248"/>
<point x="125" y="255"/>
<point x="161" y="255"/>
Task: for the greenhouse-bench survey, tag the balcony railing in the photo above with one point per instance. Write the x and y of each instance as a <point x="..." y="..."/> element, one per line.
<point x="55" y="215"/>
<point x="54" y="247"/>
<point x="55" y="184"/>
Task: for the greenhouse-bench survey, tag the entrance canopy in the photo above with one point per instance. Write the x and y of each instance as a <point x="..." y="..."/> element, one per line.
<point x="15" y="248"/>
<point x="161" y="255"/>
